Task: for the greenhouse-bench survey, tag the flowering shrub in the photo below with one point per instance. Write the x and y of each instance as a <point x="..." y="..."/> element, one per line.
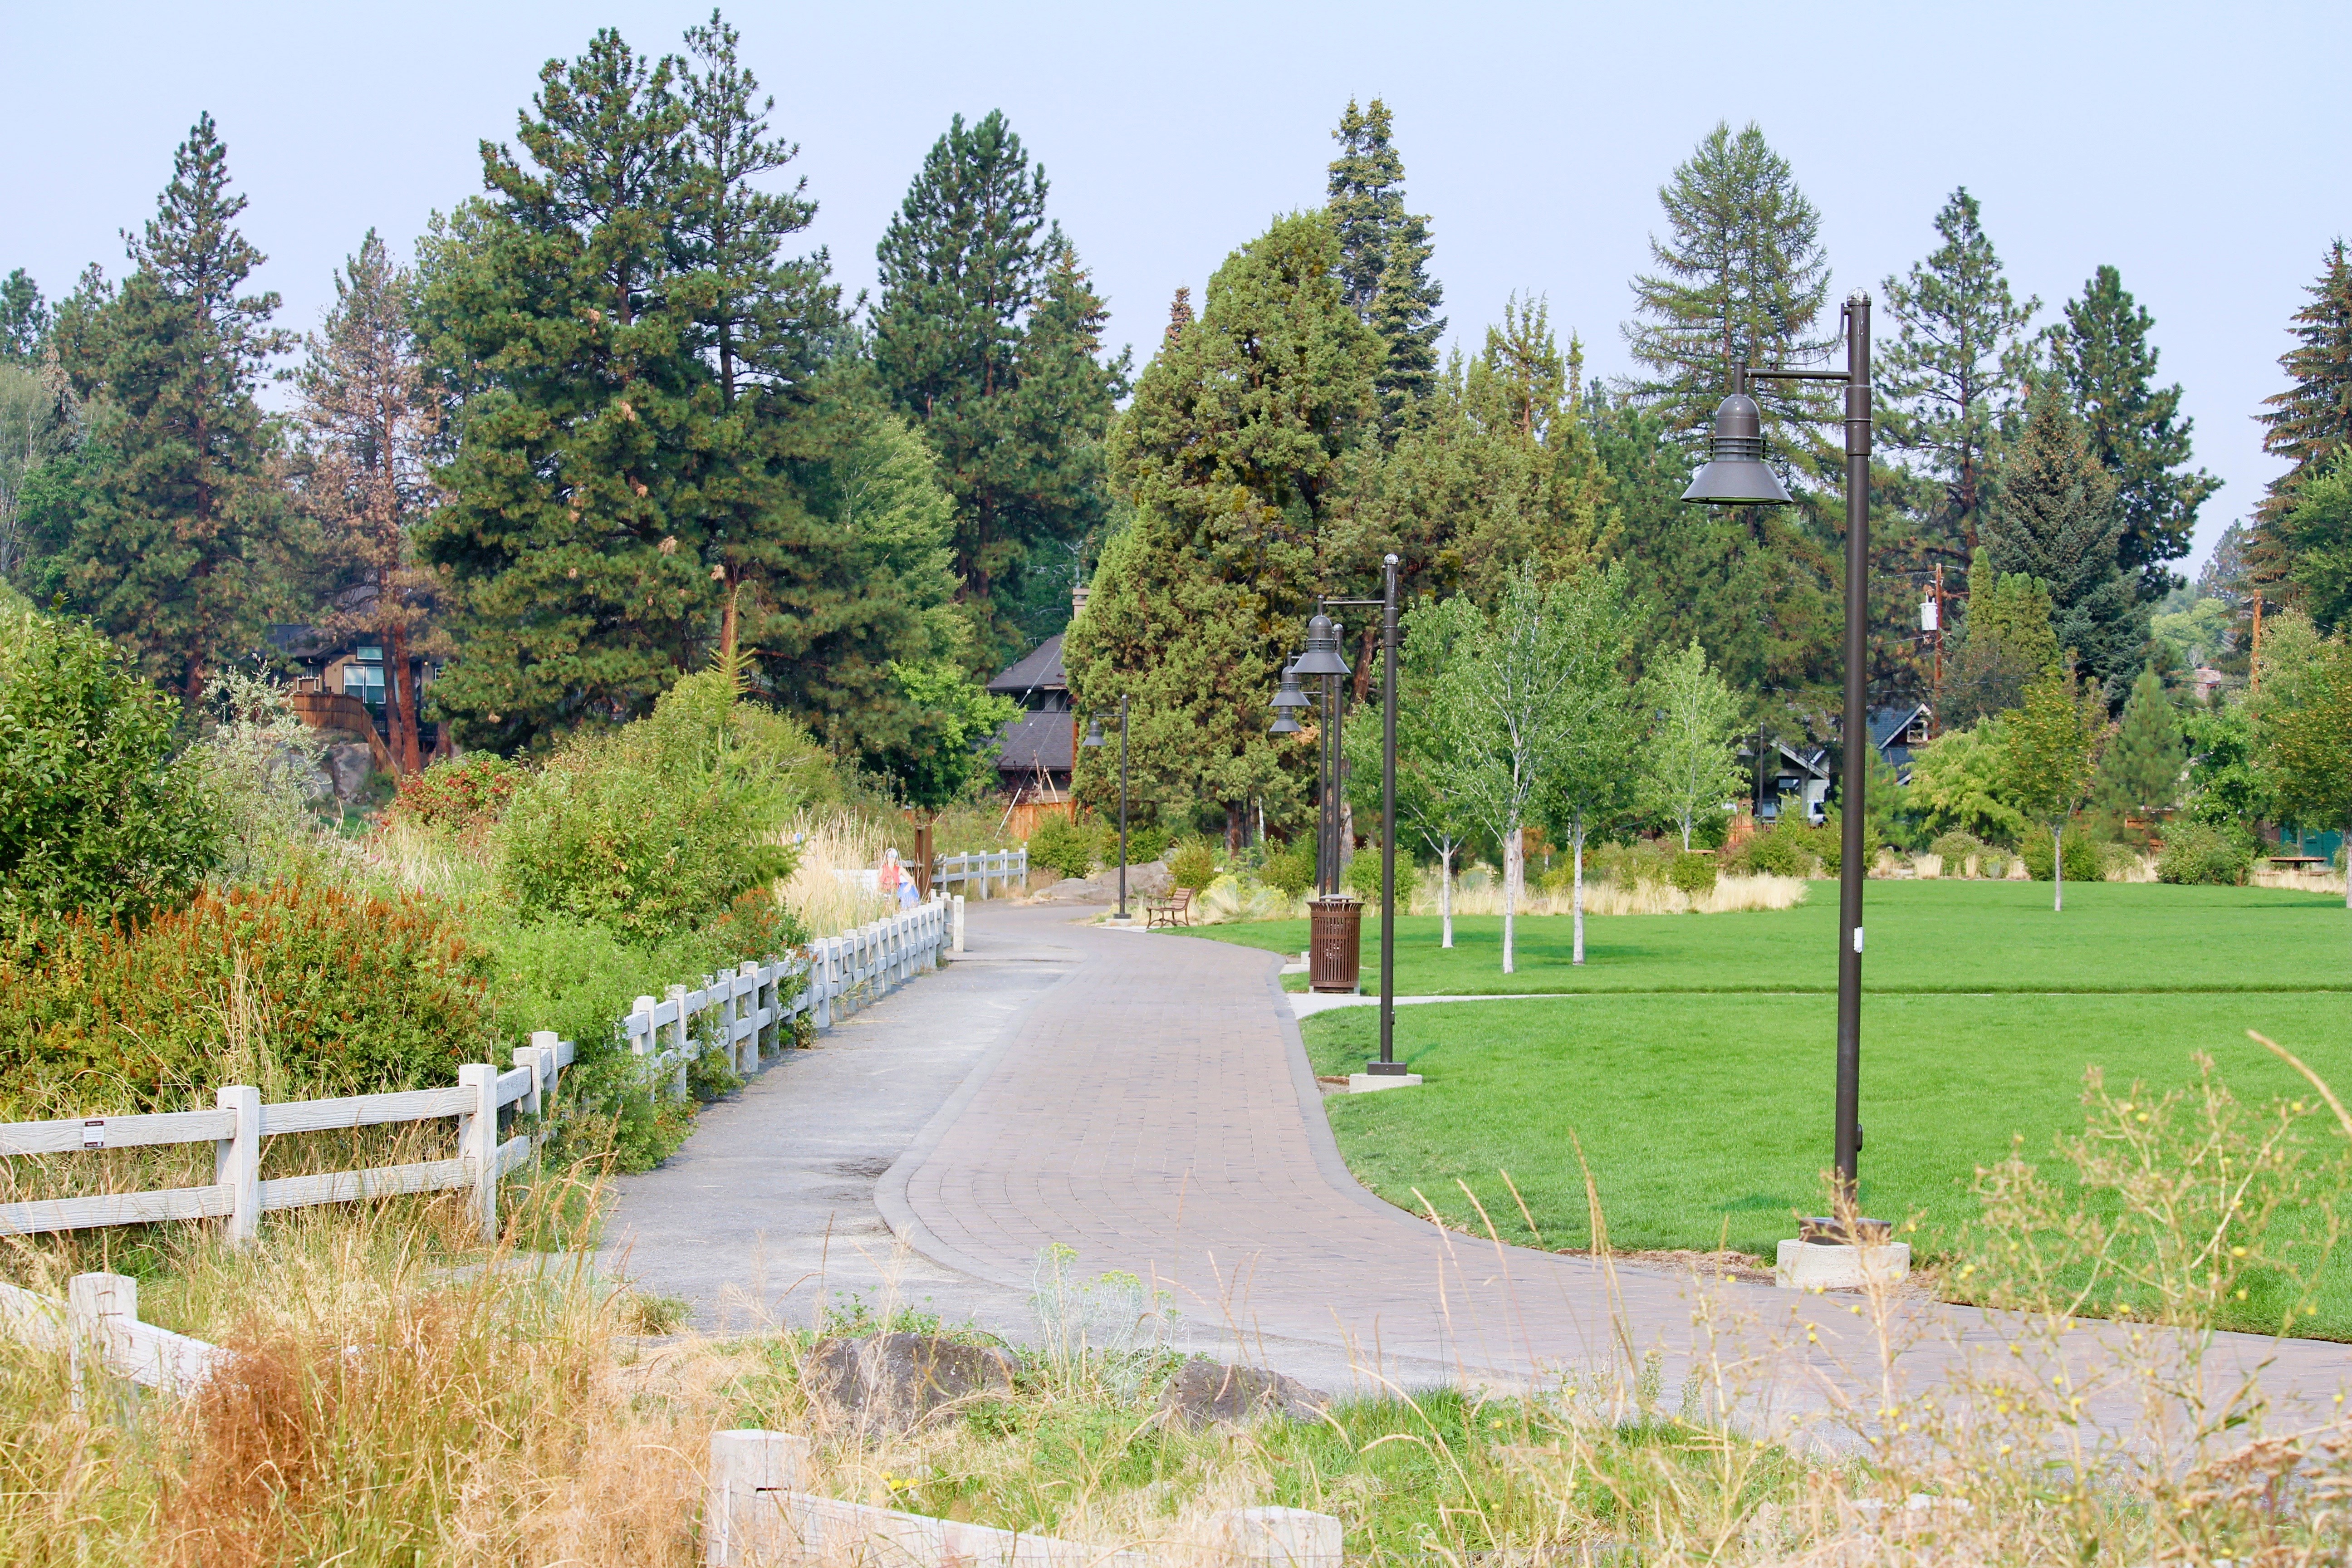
<point x="459" y="793"/>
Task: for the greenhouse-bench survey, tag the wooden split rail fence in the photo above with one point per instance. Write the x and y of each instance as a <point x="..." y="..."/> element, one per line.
<point x="998" y="867"/>
<point x="738" y="1013"/>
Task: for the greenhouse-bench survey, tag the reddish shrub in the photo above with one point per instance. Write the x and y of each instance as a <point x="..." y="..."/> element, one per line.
<point x="342" y="992"/>
<point x="466" y="793"/>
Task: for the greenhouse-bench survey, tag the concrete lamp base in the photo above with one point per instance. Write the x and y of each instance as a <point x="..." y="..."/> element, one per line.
<point x="1839" y="1266"/>
<point x="1373" y="1082"/>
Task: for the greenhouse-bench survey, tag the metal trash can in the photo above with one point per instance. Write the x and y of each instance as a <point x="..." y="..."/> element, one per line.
<point x="1335" y="943"/>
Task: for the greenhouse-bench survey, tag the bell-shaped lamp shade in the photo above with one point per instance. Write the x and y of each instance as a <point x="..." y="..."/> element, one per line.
<point x="1288" y="696"/>
<point x="1284" y="724"/>
<point x="1322" y="655"/>
<point x="1735" y="474"/>
<point x="1094" y="733"/>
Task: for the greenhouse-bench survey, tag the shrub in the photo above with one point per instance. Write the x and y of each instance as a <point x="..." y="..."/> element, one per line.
<point x="1955" y="847"/>
<point x="1195" y="866"/>
<point x="1630" y="865"/>
<point x="2083" y="861"/>
<point x="2197" y="853"/>
<point x="1779" y="852"/>
<point x="1363" y="875"/>
<point x="757" y="927"/>
<point x="1694" y="873"/>
<point x="655" y="828"/>
<point x="1145" y="842"/>
<point x="1290" y="870"/>
<point x="300" y="988"/>
<point x="1063" y="845"/>
<point x="459" y="793"/>
<point x="96" y="818"/>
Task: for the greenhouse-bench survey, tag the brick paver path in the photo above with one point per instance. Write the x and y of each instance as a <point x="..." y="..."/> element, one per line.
<point x="1153" y="1111"/>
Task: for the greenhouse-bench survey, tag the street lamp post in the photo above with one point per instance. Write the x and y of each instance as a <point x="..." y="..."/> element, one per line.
<point x="1322" y="658"/>
<point x="1095" y="737"/>
<point x="1735" y="474"/>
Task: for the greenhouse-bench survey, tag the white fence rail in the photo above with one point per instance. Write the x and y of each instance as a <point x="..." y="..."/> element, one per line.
<point x="998" y="867"/>
<point x="736" y="1013"/>
<point x="98" y="1323"/>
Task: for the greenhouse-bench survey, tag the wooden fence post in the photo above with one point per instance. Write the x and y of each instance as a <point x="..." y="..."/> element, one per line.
<point x="477" y="1140"/>
<point x="642" y="1041"/>
<point x="956" y="946"/>
<point x="736" y="1528"/>
<point x="237" y="1162"/>
<point x="746" y="986"/>
<point x="95" y="1304"/>
<point x="546" y="1047"/>
<point x="677" y="1042"/>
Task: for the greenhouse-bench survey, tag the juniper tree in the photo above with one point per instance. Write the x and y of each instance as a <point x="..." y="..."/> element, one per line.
<point x="1953" y="370"/>
<point x="2005" y="644"/>
<point x="1232" y="455"/>
<point x="180" y="545"/>
<point x="1385" y="253"/>
<point x="2135" y="429"/>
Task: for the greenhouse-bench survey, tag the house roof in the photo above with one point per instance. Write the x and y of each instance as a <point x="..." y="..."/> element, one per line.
<point x="1040" y="669"/>
<point x="1887" y="725"/>
<point x="1035" y="741"/>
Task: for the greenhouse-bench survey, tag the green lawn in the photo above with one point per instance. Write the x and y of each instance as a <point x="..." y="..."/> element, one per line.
<point x="1926" y="936"/>
<point x="1696" y="1061"/>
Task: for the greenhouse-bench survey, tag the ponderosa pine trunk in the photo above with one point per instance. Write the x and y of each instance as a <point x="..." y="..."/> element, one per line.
<point x="407" y="754"/>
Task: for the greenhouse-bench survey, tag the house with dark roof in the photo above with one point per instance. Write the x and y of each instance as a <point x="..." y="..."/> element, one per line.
<point x="1807" y="772"/>
<point x="1035" y="751"/>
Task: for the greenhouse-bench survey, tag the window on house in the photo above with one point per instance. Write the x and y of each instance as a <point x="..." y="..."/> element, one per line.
<point x="364" y="676"/>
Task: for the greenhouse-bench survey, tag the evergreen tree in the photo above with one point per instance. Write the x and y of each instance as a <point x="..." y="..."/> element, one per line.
<point x="23" y="320"/>
<point x="2057" y="519"/>
<point x="2312" y="534"/>
<point x="988" y="335"/>
<point x="2140" y="771"/>
<point x="2312" y="419"/>
<point x="1953" y="370"/>
<point x="179" y="544"/>
<point x="2005" y="645"/>
<point x="1741" y="276"/>
<point x="1233" y="456"/>
<point x="573" y="535"/>
<point x="2135" y="429"/>
<point x="1384" y="254"/>
<point x="366" y="424"/>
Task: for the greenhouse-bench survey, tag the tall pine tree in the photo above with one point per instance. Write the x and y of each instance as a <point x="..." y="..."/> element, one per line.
<point x="1385" y="253"/>
<point x="2136" y="428"/>
<point x="988" y="335"/>
<point x="1955" y="367"/>
<point x="180" y="544"/>
<point x="553" y="305"/>
<point x="367" y="426"/>
<point x="2311" y="421"/>
<point x="24" y="318"/>
<point x="2057" y="519"/>
<point x="1741" y="276"/>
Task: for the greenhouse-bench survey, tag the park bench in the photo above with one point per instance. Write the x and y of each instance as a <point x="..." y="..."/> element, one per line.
<point x="1175" y="909"/>
<point x="2300" y="862"/>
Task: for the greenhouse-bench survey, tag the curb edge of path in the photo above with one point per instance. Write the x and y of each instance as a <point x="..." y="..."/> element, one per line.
<point x="890" y="1192"/>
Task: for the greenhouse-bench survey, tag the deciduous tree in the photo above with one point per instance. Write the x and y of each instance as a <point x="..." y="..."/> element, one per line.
<point x="2052" y="745"/>
<point x="1693" y="767"/>
<point x="2308" y="746"/>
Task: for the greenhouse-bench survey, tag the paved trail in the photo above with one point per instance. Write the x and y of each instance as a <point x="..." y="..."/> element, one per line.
<point x="1145" y="1100"/>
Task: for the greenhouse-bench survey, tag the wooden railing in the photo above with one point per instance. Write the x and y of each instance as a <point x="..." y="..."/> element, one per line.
<point x="736" y="1013"/>
<point x="996" y="866"/>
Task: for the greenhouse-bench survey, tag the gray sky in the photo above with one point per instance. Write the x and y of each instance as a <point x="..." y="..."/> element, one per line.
<point x="2201" y="150"/>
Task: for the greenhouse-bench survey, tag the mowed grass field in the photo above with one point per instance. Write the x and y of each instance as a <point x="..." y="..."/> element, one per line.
<point x="1693" y="1057"/>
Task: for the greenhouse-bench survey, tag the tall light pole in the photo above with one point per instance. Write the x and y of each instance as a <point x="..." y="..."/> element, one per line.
<point x="1322" y="658"/>
<point x="1095" y="737"/>
<point x="1735" y="474"/>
